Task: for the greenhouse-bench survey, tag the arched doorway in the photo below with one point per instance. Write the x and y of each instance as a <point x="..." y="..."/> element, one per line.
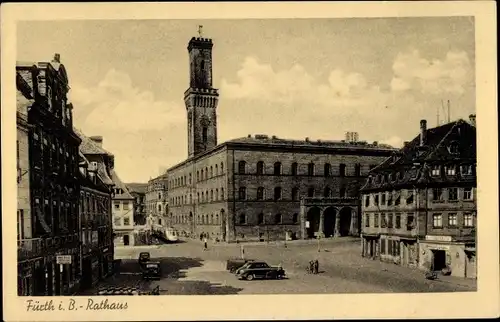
<point x="345" y="221"/>
<point x="329" y="224"/>
<point x="313" y="216"/>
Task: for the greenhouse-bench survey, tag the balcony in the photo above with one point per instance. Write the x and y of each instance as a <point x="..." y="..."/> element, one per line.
<point x="39" y="247"/>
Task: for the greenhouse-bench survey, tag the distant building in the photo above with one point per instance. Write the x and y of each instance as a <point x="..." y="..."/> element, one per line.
<point x="95" y="211"/>
<point x="419" y="206"/>
<point x="156" y="202"/>
<point x="138" y="191"/>
<point x="261" y="187"/>
<point x="50" y="227"/>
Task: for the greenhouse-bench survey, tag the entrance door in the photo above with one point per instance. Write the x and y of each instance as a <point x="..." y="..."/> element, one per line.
<point x="345" y="221"/>
<point x="329" y="224"/>
<point x="439" y="259"/>
<point x="313" y="216"/>
<point x="126" y="240"/>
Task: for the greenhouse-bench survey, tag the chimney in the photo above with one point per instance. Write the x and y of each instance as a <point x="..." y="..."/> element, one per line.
<point x="472" y="119"/>
<point x="423" y="129"/>
<point x="97" y="140"/>
<point x="57" y="58"/>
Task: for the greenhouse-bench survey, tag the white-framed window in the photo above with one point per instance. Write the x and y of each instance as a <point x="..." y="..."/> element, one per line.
<point x="468" y="220"/>
<point x="126" y="221"/>
<point x="437" y="221"/>
<point x="452" y="219"/>
<point x="450" y="170"/>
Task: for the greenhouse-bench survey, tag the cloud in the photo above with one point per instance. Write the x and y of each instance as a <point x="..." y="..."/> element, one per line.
<point x="450" y="75"/>
<point x="142" y="132"/>
<point x="117" y="105"/>
<point x="295" y="85"/>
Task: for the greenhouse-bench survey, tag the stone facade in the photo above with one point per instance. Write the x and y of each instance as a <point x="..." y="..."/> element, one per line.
<point x="419" y="206"/>
<point x="53" y="183"/>
<point x="156" y="203"/>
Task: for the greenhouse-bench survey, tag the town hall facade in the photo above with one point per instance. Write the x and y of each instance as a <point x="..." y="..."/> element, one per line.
<point x="261" y="187"/>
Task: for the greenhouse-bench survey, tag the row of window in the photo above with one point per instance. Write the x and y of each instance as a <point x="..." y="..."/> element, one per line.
<point x="278" y="193"/>
<point x="124" y="205"/>
<point x="117" y="221"/>
<point x="435" y="171"/>
<point x="294" y="169"/>
<point x="395" y="220"/>
<point x="204" y="196"/>
<point x="275" y="219"/>
<point x="390" y="220"/>
<point x="201" y="175"/>
<point x="438" y="194"/>
<point x="452" y="220"/>
<point x="452" y="194"/>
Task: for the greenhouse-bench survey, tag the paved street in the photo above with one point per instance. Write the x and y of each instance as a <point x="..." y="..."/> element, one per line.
<point x="188" y="269"/>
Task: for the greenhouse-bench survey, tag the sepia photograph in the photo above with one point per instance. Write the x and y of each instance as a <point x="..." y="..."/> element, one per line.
<point x="284" y="156"/>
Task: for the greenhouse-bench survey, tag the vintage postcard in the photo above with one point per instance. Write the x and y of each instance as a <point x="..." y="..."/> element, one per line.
<point x="218" y="161"/>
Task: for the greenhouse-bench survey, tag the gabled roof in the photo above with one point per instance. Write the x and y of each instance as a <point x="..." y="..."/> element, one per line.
<point x="88" y="146"/>
<point x="410" y="165"/>
<point x="119" y="184"/>
<point x="137" y="187"/>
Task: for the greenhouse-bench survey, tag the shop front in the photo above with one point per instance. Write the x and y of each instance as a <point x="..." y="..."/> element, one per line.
<point x="440" y="253"/>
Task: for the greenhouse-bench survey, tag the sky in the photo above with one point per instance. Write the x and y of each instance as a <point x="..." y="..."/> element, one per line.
<point x="293" y="78"/>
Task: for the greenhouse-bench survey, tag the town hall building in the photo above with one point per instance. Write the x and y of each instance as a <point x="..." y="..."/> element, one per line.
<point x="261" y="187"/>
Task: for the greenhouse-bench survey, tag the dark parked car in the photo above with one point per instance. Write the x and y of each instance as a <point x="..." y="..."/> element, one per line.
<point x="233" y="264"/>
<point x="253" y="270"/>
<point x="144" y="257"/>
<point x="151" y="270"/>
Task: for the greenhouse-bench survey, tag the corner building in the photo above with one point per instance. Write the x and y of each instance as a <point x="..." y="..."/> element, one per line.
<point x="261" y="187"/>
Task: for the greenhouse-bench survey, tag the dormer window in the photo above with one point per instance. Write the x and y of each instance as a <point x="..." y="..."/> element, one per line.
<point x="436" y="171"/>
<point x="453" y="148"/>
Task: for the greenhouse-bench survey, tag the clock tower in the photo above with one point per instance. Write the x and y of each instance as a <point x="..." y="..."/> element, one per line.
<point x="201" y="98"/>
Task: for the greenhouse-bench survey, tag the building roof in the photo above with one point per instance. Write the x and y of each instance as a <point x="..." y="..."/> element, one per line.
<point x="119" y="184"/>
<point x="137" y="187"/>
<point x="261" y="139"/>
<point x="88" y="146"/>
<point x="410" y="165"/>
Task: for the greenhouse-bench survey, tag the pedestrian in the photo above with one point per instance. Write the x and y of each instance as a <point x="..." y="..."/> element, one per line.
<point x="205" y="242"/>
<point x="316" y="267"/>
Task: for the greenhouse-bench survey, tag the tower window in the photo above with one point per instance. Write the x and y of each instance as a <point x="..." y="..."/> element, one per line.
<point x="205" y="135"/>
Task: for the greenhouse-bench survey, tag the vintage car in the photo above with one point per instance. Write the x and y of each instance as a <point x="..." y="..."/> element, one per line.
<point x="233" y="264"/>
<point x="144" y="257"/>
<point x="151" y="270"/>
<point x="253" y="270"/>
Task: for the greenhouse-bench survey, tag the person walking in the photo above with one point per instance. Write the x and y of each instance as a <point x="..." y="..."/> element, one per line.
<point x="205" y="243"/>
